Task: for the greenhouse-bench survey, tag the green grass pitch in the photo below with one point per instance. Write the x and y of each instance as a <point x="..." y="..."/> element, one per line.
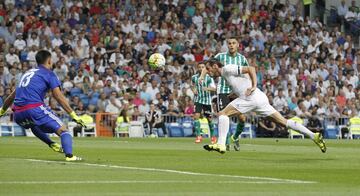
<point x="177" y="166"/>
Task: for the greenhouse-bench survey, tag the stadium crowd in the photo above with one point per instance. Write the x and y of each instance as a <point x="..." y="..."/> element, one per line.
<point x="100" y="51"/>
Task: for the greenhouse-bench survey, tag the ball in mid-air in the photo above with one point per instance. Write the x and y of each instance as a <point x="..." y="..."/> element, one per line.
<point x="156" y="60"/>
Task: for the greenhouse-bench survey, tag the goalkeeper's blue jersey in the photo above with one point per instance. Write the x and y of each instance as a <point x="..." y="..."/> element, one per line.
<point x="34" y="85"/>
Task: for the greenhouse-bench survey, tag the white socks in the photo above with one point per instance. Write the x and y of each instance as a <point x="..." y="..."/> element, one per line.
<point x="299" y="127"/>
<point x="224" y="123"/>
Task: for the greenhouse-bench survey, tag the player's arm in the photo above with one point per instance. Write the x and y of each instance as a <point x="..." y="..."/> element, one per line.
<point x="209" y="89"/>
<point x="60" y="98"/>
<point x="8" y="101"/>
<point x="202" y="75"/>
<point x="252" y="73"/>
<point x="193" y="85"/>
<point x="235" y="70"/>
<point x="273" y="126"/>
<point x="211" y="85"/>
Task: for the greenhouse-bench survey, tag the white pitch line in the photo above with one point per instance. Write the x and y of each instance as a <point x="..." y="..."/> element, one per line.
<point x="178" y="172"/>
<point x="142" y="182"/>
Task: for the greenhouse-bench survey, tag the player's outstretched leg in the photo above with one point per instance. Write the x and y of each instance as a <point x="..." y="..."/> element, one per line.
<point x="224" y="124"/>
<point x="223" y="131"/>
<point x="66" y="142"/>
<point x="316" y="137"/>
<point x="45" y="138"/>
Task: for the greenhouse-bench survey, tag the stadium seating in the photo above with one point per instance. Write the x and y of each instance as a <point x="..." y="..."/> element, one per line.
<point x="294" y="134"/>
<point x="95" y="94"/>
<point x="175" y="130"/>
<point x="90" y="130"/>
<point x="75" y="92"/>
<point x="187" y="127"/>
<point x="93" y="101"/>
<point x="249" y="131"/>
<point x="6" y="129"/>
<point x="29" y="133"/>
<point x="331" y="132"/>
<point x="233" y="126"/>
<point x="122" y="129"/>
<point x="158" y="132"/>
<point x="71" y="126"/>
<point x="17" y="129"/>
<point x="84" y="99"/>
<point x="136" y="129"/>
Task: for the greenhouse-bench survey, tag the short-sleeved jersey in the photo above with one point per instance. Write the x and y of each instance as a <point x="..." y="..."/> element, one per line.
<point x="225" y="58"/>
<point x="203" y="97"/>
<point x="239" y="82"/>
<point x="34" y="85"/>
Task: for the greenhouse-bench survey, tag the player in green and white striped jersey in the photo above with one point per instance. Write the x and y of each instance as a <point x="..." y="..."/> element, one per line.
<point x="224" y="90"/>
<point x="203" y="101"/>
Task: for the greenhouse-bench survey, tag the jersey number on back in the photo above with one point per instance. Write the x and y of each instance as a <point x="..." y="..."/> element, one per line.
<point x="25" y="79"/>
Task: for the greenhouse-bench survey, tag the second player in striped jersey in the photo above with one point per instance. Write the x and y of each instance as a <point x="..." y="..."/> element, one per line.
<point x="232" y="57"/>
<point x="202" y="101"/>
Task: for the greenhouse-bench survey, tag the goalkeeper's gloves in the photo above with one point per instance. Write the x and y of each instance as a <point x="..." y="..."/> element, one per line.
<point x="2" y="112"/>
<point x="77" y="119"/>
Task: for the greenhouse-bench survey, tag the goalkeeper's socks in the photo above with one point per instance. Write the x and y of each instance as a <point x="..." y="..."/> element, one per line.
<point x="197" y="127"/>
<point x="239" y="129"/>
<point x="66" y="143"/>
<point x="42" y="136"/>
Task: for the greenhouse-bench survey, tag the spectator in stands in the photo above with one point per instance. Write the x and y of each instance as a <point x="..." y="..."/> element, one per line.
<point x="122" y="123"/>
<point x="341" y="99"/>
<point x="153" y="89"/>
<point x="172" y="113"/>
<point x="155" y="120"/>
<point x="11" y="57"/>
<point x="108" y="89"/>
<point x="314" y="123"/>
<point x="114" y="105"/>
<point x="342" y="10"/>
<point x="266" y="128"/>
<point x="189" y="108"/>
<point x="86" y="85"/>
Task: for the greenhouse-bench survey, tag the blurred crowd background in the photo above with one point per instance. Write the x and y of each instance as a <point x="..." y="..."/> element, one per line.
<point x="100" y="50"/>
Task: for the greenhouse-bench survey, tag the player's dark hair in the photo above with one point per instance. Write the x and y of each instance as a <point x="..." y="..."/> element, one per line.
<point x="215" y="61"/>
<point x="233" y="37"/>
<point x="42" y="56"/>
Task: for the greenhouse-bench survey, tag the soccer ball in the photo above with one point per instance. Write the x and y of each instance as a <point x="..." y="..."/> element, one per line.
<point x="156" y="60"/>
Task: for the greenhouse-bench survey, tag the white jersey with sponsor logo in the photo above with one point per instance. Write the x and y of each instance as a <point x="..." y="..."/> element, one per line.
<point x="239" y="82"/>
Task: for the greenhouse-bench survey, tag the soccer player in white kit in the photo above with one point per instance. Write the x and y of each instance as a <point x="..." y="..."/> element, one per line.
<point x="250" y="99"/>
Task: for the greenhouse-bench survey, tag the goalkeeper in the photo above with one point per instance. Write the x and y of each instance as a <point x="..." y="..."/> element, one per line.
<point x="31" y="112"/>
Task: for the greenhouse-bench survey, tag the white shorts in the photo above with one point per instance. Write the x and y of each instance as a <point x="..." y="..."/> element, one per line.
<point x="257" y="102"/>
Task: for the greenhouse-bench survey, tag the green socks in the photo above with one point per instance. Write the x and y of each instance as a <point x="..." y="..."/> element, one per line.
<point x="239" y="129"/>
<point x="197" y="127"/>
<point x="211" y="126"/>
